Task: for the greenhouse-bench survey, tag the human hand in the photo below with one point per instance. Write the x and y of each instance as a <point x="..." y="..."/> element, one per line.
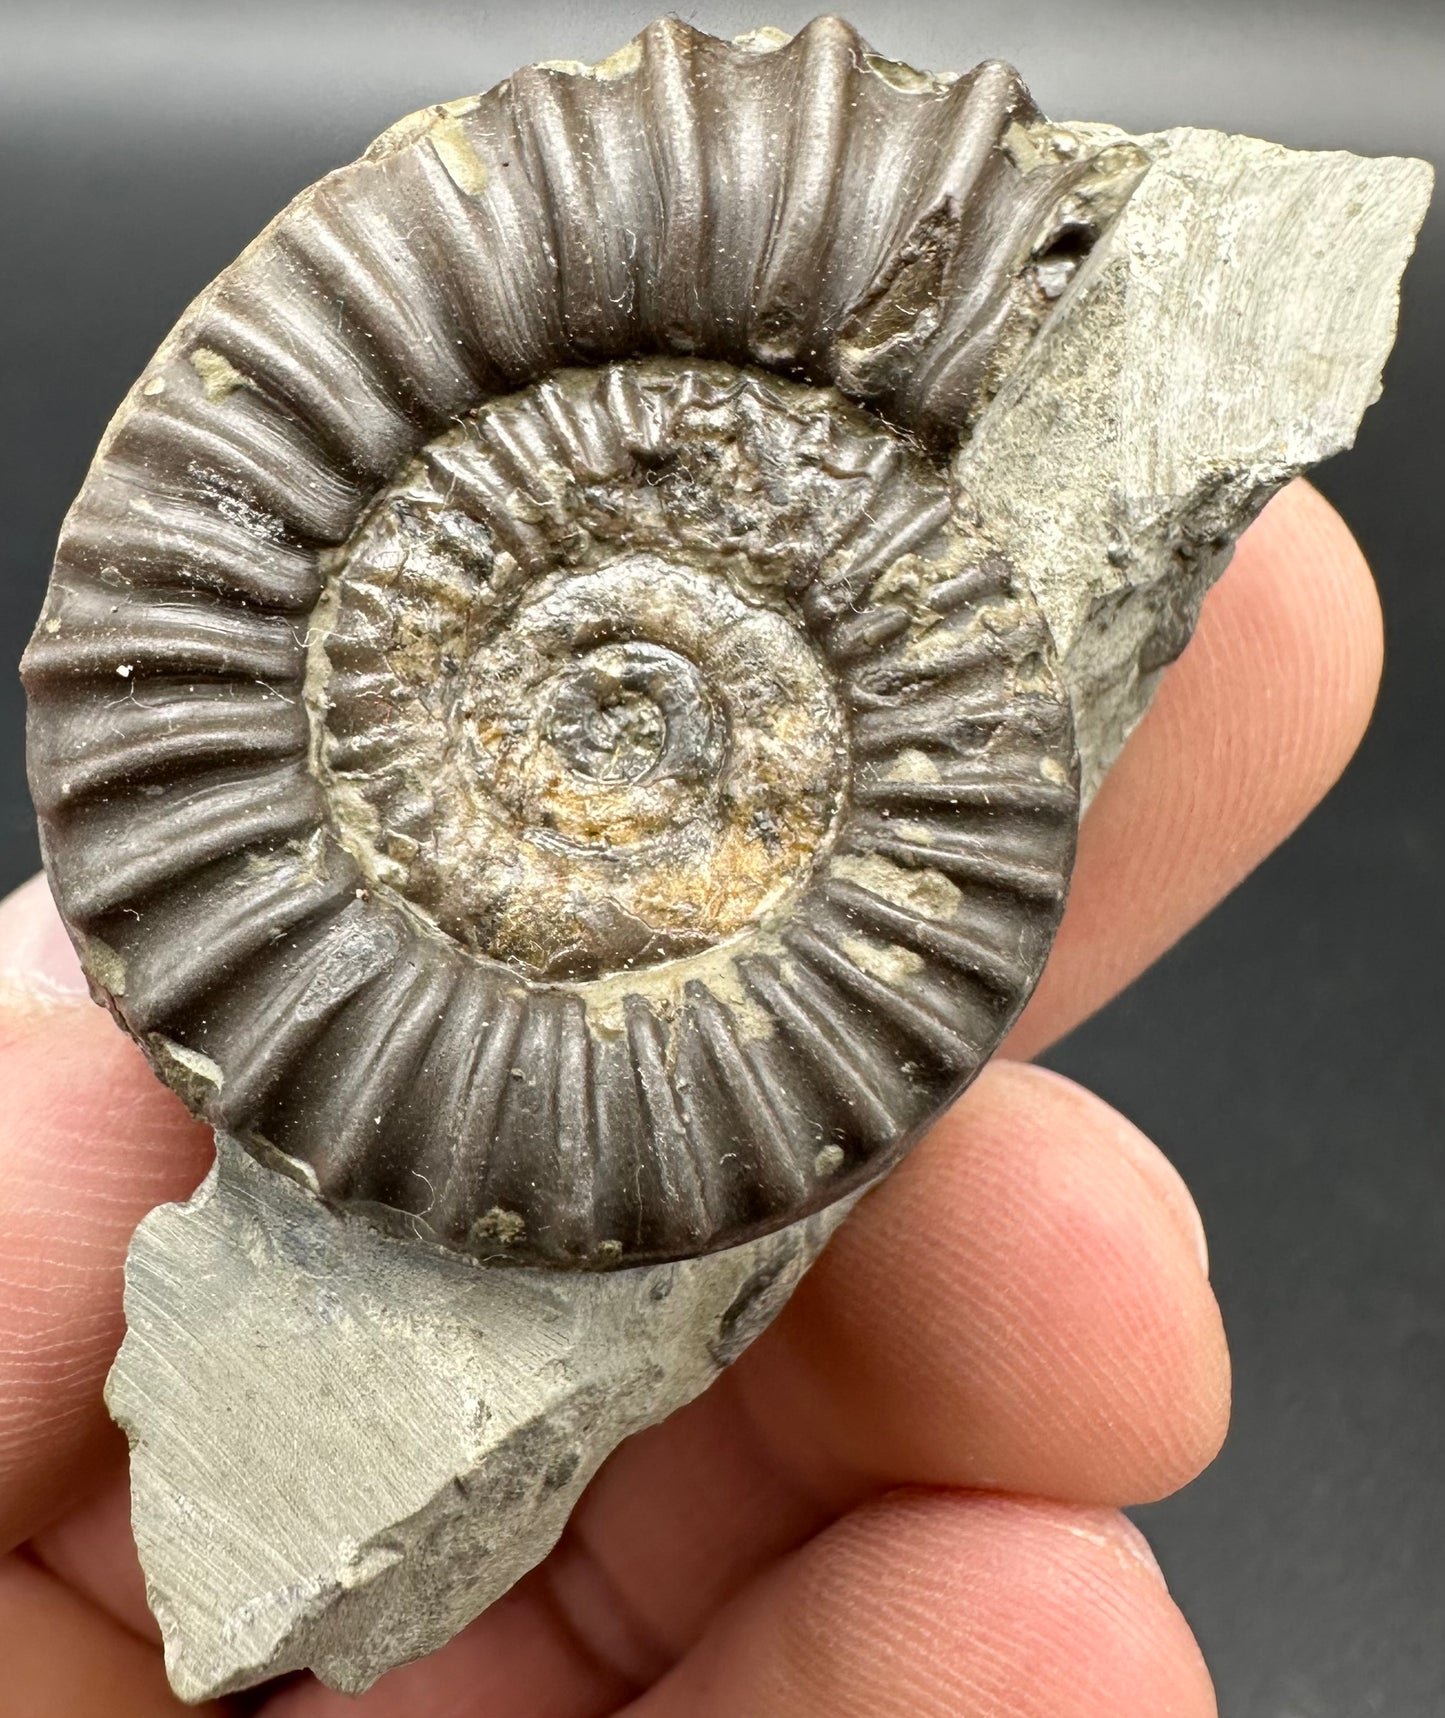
<point x="904" y="1499"/>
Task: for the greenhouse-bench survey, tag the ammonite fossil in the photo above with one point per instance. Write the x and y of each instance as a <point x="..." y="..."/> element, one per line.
<point x="528" y="733"/>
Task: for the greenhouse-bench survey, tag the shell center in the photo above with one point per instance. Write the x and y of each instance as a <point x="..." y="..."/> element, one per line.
<point x="574" y="701"/>
<point x="628" y="709"/>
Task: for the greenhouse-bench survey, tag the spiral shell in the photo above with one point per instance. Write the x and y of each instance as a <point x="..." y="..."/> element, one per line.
<point x="525" y="731"/>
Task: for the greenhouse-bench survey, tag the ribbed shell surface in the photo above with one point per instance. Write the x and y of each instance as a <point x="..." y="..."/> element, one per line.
<point x="802" y="210"/>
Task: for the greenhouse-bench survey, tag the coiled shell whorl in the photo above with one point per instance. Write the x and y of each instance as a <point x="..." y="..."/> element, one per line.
<point x="526" y="732"/>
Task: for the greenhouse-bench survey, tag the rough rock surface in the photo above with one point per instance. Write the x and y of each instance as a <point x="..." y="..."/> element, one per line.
<point x="345" y="1446"/>
<point x="1228" y="331"/>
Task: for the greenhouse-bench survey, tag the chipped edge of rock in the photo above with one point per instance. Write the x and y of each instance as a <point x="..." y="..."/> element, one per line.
<point x="1229" y="330"/>
<point x="345" y="1446"/>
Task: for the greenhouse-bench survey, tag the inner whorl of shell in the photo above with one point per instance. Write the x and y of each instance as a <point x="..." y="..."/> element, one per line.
<point x="573" y="709"/>
<point x="524" y="729"/>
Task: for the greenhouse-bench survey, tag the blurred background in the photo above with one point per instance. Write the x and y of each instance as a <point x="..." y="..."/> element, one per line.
<point x="1288" y="1055"/>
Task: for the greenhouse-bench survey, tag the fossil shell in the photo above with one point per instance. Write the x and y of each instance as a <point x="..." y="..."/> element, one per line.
<point x="525" y="732"/>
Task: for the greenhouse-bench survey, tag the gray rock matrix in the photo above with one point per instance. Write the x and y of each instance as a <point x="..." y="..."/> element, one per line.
<point x="345" y="1445"/>
<point x="1228" y="332"/>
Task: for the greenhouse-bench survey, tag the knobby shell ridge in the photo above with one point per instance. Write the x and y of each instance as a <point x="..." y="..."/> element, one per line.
<point x="229" y="841"/>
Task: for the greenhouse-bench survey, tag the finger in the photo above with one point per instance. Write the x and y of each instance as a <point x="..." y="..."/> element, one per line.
<point x="91" y="1142"/>
<point x="1250" y="729"/>
<point x="934" y="1605"/>
<point x="92" y="1550"/>
<point x="1022" y="1306"/>
<point x="64" y="1659"/>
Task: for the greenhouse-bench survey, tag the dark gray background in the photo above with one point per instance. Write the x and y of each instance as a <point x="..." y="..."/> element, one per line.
<point x="1288" y="1055"/>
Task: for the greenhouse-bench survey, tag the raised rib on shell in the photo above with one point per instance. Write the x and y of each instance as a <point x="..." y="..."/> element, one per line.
<point x="524" y="730"/>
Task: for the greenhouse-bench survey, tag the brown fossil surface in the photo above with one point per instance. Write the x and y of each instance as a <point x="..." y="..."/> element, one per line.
<point x="526" y="731"/>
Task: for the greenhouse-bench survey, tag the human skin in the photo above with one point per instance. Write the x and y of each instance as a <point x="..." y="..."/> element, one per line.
<point x="904" y="1501"/>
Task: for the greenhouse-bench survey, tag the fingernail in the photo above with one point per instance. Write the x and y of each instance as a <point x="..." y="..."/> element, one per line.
<point x="1181" y="1202"/>
<point x="1201" y="1240"/>
<point x="1136" y="1547"/>
<point x="1170" y="1186"/>
<point x="35" y="953"/>
<point x="1109" y="1530"/>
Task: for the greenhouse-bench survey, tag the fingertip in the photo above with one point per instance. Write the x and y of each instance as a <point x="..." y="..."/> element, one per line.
<point x="91" y="1550"/>
<point x="38" y="962"/>
<point x="1023" y="1081"/>
<point x="1021" y="1306"/>
<point x="1249" y="730"/>
<point x="1316" y="606"/>
<point x="1274" y="695"/>
<point x="91" y="1142"/>
<point x="1104" y="1368"/>
<point x="930" y="1604"/>
<point x="66" y="1659"/>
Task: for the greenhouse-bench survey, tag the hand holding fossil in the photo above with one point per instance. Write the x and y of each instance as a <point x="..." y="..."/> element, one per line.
<point x="1052" y="1352"/>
